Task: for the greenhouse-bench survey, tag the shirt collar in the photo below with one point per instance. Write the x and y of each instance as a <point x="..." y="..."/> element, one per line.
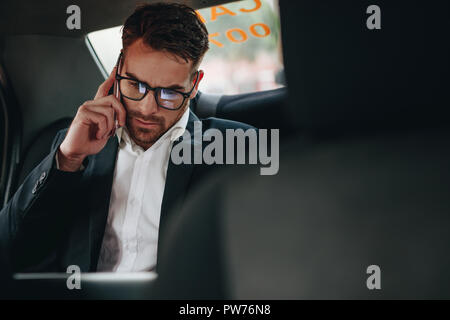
<point x="173" y="133"/>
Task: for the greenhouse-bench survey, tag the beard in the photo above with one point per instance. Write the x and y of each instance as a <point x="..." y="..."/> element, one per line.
<point x="145" y="137"/>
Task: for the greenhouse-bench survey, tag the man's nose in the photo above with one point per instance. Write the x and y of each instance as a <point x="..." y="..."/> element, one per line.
<point x="149" y="104"/>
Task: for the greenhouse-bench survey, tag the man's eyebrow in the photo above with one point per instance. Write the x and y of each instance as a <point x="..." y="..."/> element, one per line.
<point x="173" y="87"/>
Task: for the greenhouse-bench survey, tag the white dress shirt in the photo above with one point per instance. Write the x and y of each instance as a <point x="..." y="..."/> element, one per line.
<point x="130" y="242"/>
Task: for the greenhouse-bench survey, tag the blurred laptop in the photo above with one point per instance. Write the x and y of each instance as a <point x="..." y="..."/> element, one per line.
<point x="102" y="285"/>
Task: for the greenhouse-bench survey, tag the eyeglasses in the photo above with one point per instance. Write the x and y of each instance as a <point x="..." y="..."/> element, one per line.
<point x="166" y="98"/>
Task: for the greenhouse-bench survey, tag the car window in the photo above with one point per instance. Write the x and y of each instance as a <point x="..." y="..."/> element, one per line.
<point x="245" y="47"/>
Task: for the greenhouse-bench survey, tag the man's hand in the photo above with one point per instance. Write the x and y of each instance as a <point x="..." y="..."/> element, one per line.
<point x="91" y="127"/>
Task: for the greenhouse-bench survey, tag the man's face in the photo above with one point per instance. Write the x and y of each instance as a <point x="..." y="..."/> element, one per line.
<point x="146" y="121"/>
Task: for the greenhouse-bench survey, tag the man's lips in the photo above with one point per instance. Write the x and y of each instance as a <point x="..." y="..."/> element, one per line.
<point x="146" y="123"/>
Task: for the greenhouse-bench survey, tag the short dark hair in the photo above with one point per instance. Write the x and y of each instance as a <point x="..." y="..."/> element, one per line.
<point x="172" y="27"/>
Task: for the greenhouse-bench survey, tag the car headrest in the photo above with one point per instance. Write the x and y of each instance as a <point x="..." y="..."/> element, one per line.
<point x="342" y="75"/>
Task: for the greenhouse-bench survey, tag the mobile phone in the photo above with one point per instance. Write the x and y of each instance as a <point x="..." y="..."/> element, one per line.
<point x="116" y="93"/>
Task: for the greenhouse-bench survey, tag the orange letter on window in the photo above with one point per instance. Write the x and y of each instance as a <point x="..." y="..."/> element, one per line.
<point x="240" y="31"/>
<point x="215" y="14"/>
<point x="258" y="5"/>
<point x="259" y="35"/>
<point x="200" y="16"/>
<point x="217" y="43"/>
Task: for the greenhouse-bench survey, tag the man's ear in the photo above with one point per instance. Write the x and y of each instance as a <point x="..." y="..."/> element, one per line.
<point x="199" y="76"/>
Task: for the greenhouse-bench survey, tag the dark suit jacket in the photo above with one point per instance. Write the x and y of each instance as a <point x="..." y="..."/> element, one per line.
<point x="57" y="219"/>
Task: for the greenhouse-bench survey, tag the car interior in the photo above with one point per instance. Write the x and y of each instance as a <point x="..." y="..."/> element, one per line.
<point x="364" y="154"/>
<point x="38" y="98"/>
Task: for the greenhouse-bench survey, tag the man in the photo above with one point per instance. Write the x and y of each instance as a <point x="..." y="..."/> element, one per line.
<point x="99" y="200"/>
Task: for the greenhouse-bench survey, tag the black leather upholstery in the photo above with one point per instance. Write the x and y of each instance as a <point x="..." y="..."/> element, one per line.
<point x="264" y="109"/>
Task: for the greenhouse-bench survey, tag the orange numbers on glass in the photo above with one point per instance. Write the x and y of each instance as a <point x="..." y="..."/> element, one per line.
<point x="218" y="11"/>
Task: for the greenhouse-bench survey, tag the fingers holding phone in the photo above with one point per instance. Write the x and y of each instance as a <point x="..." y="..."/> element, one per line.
<point x="94" y="123"/>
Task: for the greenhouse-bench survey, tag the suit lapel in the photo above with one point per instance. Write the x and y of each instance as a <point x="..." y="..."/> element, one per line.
<point x="177" y="182"/>
<point x="100" y="173"/>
